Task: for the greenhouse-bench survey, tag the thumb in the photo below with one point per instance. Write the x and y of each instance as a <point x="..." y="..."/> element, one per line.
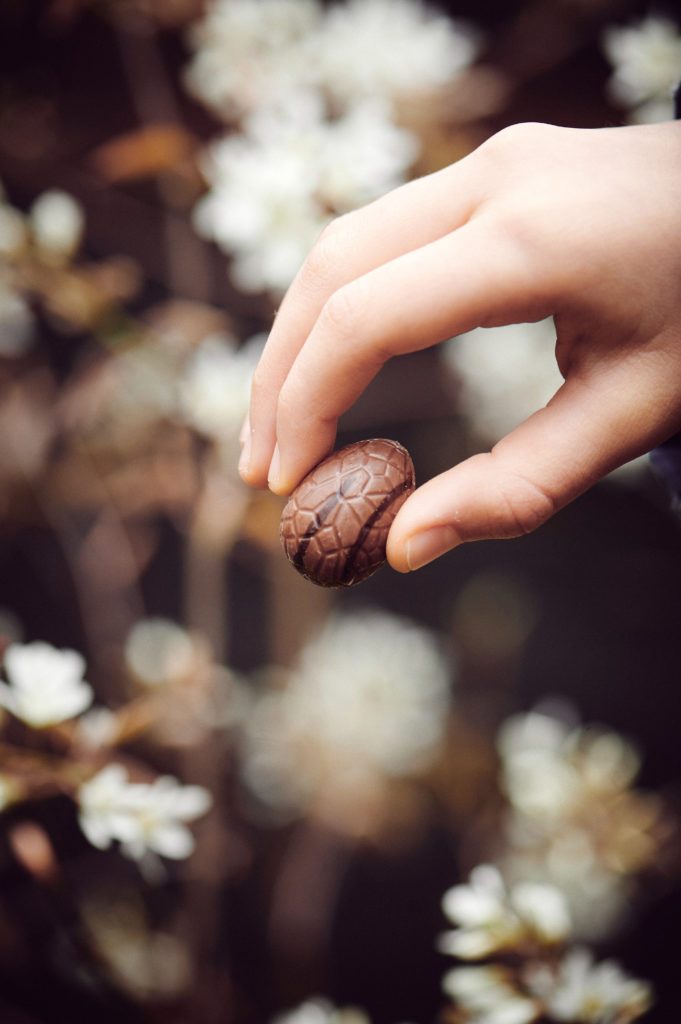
<point x="589" y="427"/>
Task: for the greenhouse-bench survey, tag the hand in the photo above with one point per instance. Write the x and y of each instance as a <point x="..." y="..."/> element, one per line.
<point x="540" y="220"/>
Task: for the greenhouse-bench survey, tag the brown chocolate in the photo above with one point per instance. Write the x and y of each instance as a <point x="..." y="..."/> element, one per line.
<point x="335" y="526"/>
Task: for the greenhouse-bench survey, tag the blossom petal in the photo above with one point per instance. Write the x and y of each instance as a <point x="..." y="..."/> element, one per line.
<point x="173" y="840"/>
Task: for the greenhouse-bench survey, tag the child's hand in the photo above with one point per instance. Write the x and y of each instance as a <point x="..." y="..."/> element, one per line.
<point x="581" y="224"/>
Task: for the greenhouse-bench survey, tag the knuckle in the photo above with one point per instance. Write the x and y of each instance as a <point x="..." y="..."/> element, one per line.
<point x="335" y="229"/>
<point x="518" y="136"/>
<point x="258" y="384"/>
<point x="343" y="312"/>
<point x="508" y="150"/>
<point x="525" y="503"/>
<point x="324" y="257"/>
<point x="286" y="405"/>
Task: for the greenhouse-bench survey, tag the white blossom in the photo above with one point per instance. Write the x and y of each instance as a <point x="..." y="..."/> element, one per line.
<point x="573" y="819"/>
<point x="215" y="386"/>
<point x="367" y="703"/>
<point x="647" y="65"/>
<point x="490" y="917"/>
<point x="389" y="48"/>
<point x="158" y="652"/>
<point x="260" y="208"/>
<point x="583" y="992"/>
<point x="507" y="373"/>
<point x="536" y="772"/>
<point x="489" y="996"/>
<point x="57" y="223"/>
<point x="142" y="817"/>
<point x="250" y="53"/>
<point x="321" y="1011"/>
<point x="274" y="187"/>
<point x="46" y="684"/>
<point x="549" y="769"/>
<point x="362" y="155"/>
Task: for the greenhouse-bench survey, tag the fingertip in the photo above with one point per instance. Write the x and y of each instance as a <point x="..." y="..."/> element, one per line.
<point x="396" y="548"/>
<point x="245" y="430"/>
<point x="402" y="527"/>
<point x="280" y="488"/>
<point x="298" y="455"/>
<point x="244" y="467"/>
<point x="397" y="560"/>
<point x="252" y="477"/>
<point x="251" y="469"/>
<point x="279" y="481"/>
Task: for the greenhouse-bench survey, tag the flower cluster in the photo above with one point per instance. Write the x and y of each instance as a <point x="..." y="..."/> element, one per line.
<point x="314" y="94"/>
<point x="488" y="995"/>
<point x="577" y="989"/>
<point x="276" y="185"/>
<point x="252" y="53"/>
<point x="574" y="819"/>
<point x="367" y="704"/>
<point x="390" y="48"/>
<point x="646" y="58"/>
<point x="507" y="373"/>
<point x="51" y="231"/>
<point x="215" y="387"/>
<point x="143" y="817"/>
<point x="572" y="989"/>
<point x="39" y="267"/>
<point x="205" y="386"/>
<point x="544" y="981"/>
<point x="248" y="54"/>
<point x="46" y="689"/>
<point x="491" y="918"/>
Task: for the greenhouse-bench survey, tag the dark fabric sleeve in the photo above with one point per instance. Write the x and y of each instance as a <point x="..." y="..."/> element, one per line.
<point x="666" y="458"/>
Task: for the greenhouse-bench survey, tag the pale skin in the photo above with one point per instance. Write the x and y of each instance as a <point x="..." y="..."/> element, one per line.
<point x="584" y="225"/>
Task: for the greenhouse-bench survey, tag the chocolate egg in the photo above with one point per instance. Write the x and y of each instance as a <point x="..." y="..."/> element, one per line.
<point x="335" y="525"/>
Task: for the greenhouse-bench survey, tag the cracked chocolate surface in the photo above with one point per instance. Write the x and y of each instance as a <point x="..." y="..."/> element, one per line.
<point x="335" y="525"/>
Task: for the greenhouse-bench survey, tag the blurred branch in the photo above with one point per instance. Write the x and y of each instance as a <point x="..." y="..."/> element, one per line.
<point x="152" y="94"/>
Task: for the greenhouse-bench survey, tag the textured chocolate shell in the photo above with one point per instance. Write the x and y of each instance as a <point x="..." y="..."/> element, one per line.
<point x="335" y="526"/>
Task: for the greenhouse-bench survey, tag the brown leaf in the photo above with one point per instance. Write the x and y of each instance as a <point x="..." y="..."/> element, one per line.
<point x="143" y="153"/>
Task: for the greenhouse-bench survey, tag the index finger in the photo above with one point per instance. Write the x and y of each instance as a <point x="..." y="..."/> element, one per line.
<point x="476" y="275"/>
<point x="407" y="218"/>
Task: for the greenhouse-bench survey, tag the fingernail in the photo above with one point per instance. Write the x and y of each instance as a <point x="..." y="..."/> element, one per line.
<point x="245" y="431"/>
<point x="275" y="468"/>
<point x="245" y="459"/>
<point x="426" y="546"/>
